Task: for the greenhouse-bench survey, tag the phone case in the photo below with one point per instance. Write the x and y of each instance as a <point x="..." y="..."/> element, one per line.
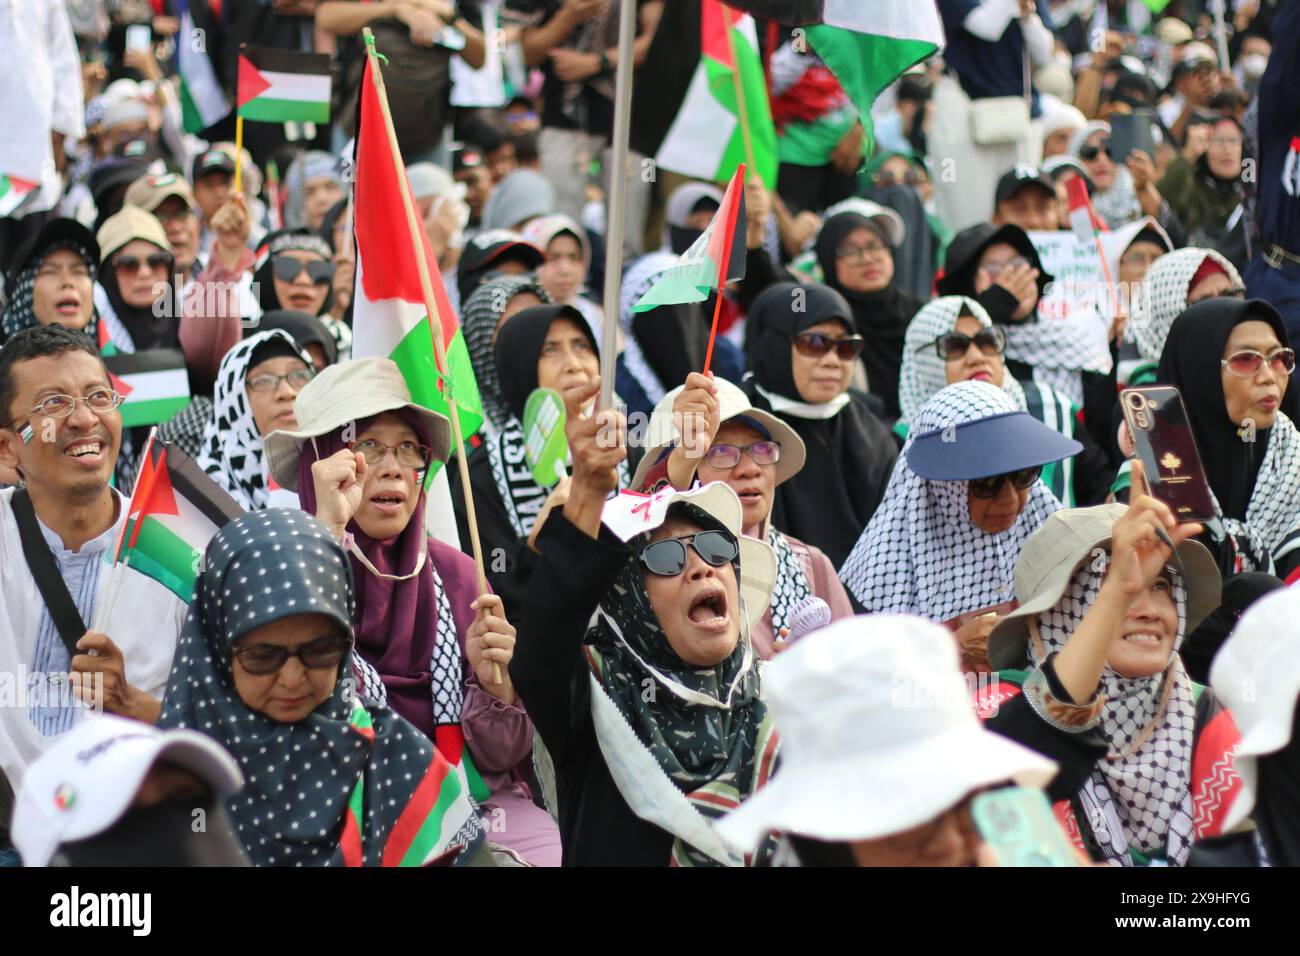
<point x="1157" y="419"/>
<point x="1018" y="824"/>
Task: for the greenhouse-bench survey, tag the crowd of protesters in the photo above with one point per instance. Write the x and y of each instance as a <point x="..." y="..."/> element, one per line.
<point x="906" y="469"/>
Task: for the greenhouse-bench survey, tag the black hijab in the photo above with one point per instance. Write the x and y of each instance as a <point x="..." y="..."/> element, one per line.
<point x="1277" y="796"/>
<point x="519" y="346"/>
<point x="305" y="329"/>
<point x="962" y="261"/>
<point x="284" y="240"/>
<point x="881" y="317"/>
<point x="1239" y="593"/>
<point x="1191" y="361"/>
<point x="147" y="329"/>
<point x="850" y="453"/>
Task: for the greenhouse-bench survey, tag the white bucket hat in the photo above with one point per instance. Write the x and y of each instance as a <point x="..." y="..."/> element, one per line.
<point x="348" y="392"/>
<point x="1255" y="675"/>
<point x="661" y="433"/>
<point x="757" y="561"/>
<point x="887" y="220"/>
<point x="878" y="735"/>
<point x="84" y="783"/>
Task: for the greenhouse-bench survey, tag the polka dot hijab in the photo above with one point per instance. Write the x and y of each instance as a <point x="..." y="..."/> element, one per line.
<point x="304" y="779"/>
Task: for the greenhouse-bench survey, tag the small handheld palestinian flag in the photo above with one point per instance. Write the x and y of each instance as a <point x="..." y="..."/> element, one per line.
<point x="1088" y="227"/>
<point x="13" y="193"/>
<point x="175" y="511"/>
<point x="713" y="260"/>
<point x="154" y="383"/>
<point x="276" y="86"/>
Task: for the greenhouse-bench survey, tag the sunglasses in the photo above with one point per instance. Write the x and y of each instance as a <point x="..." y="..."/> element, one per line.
<point x="1092" y="152"/>
<point x="912" y="178"/>
<point x="952" y="346"/>
<point x="990" y="487"/>
<point x="815" y="345"/>
<point x="726" y="457"/>
<point x="1248" y="362"/>
<point x="287" y="269"/>
<point x="668" y="557"/>
<point x="321" y="654"/>
<point x="154" y="262"/>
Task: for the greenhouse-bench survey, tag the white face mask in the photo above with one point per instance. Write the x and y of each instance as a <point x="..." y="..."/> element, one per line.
<point x="1252" y="66"/>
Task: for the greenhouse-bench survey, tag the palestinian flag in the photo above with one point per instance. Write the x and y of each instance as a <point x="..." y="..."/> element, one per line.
<point x="13" y="193"/>
<point x="173" y="514"/>
<point x="706" y="138"/>
<point x="276" y="86"/>
<point x="1083" y="221"/>
<point x="203" y="102"/>
<point x="388" y="314"/>
<point x="867" y="44"/>
<point x="714" y="259"/>
<point x="154" y="382"/>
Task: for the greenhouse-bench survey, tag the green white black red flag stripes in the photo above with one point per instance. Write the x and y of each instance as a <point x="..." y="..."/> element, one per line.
<point x="13" y="193"/>
<point x="277" y="86"/>
<point x="154" y="383"/>
<point x="203" y="102"/>
<point x="174" y="513"/>
<point x="714" y="259"/>
<point x="388" y="313"/>
<point x="706" y="138"/>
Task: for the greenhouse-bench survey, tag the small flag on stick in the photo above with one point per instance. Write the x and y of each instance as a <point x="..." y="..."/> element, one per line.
<point x="276" y="86"/>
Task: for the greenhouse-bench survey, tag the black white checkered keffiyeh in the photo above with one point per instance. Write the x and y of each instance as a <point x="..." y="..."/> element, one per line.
<point x="482" y="312"/>
<point x="1140" y="795"/>
<point x="921" y="554"/>
<point x="1274" y="509"/>
<point x="791" y="585"/>
<point x="1162" y="297"/>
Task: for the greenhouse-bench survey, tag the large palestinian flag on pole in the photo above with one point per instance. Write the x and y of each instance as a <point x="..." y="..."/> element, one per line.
<point x="714" y="259"/>
<point x="706" y="138"/>
<point x="174" y="513"/>
<point x="203" y="102"/>
<point x="154" y="383"/>
<point x="388" y="313"/>
<point x="277" y="86"/>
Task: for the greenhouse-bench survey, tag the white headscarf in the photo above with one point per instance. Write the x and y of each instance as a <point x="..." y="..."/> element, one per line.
<point x="1119" y="203"/>
<point x="921" y="554"/>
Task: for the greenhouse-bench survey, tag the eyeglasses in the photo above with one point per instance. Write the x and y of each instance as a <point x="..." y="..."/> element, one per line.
<point x="100" y="401"/>
<point x="815" y="345"/>
<point x="321" y="654"/>
<point x="912" y="177"/>
<point x="409" y="454"/>
<point x="853" y="254"/>
<point x="287" y="269"/>
<point x="952" y="346"/>
<point x="668" y="557"/>
<point x="1248" y="362"/>
<point x="154" y="262"/>
<point x="990" y="487"/>
<point x="1090" y="153"/>
<point x="726" y="457"/>
<point x="269" y="383"/>
<point x="995" y="269"/>
<point x="1225" y="140"/>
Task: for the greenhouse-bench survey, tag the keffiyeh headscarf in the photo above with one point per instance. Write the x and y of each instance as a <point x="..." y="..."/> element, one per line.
<point x="921" y="554"/>
<point x="924" y="373"/>
<point x="1118" y="204"/>
<point x="1163" y="297"/>
<point x="20" y="311"/>
<point x="637" y="280"/>
<point x="707" y="727"/>
<point x="351" y="784"/>
<point x="481" y="313"/>
<point x="233" y="453"/>
<point x="1139" y="795"/>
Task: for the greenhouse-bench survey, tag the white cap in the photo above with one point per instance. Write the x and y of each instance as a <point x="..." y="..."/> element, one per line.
<point x="889" y="222"/>
<point x="878" y="735"/>
<point x="1255" y="676"/>
<point x="84" y="783"/>
<point x="428" y="180"/>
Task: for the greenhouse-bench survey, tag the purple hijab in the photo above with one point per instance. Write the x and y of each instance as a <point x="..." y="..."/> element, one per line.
<point x="396" y="621"/>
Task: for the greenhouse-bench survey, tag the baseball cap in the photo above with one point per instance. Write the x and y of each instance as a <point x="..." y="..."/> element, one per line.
<point x="151" y="191"/>
<point x="85" y="783"/>
<point x="1022" y="176"/>
<point x="212" y="160"/>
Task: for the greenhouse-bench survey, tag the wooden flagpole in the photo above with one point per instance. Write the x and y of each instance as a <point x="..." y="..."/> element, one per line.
<point x="435" y="324"/>
<point x="239" y="152"/>
<point x="617" y="200"/>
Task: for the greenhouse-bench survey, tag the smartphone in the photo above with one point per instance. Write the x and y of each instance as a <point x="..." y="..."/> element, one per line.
<point x="1157" y="420"/>
<point x="139" y="36"/>
<point x="1130" y="131"/>
<point x="1018" y="824"/>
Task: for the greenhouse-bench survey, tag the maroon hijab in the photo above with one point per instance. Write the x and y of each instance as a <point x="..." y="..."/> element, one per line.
<point x="396" y="621"/>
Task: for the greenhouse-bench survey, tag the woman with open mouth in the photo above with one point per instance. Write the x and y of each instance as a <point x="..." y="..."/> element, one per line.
<point x="636" y="664"/>
<point x="52" y="279"/>
<point x="753" y="452"/>
<point x="952" y="339"/>
<point x="965" y="496"/>
<point x="1090" y="675"/>
<point x="358" y="461"/>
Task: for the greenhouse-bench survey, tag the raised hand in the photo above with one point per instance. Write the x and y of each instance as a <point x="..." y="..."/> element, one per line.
<point x="339" y="481"/>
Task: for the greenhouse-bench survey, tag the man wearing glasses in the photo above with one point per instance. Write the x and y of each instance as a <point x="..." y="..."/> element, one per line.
<point x="60" y="432"/>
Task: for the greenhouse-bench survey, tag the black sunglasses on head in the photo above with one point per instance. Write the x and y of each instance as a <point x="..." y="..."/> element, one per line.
<point x="990" y="487"/>
<point x="287" y="269"/>
<point x="668" y="557"/>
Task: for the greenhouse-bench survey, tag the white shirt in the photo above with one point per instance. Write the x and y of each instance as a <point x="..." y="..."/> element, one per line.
<point x="41" y="92"/>
<point x="144" y="623"/>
